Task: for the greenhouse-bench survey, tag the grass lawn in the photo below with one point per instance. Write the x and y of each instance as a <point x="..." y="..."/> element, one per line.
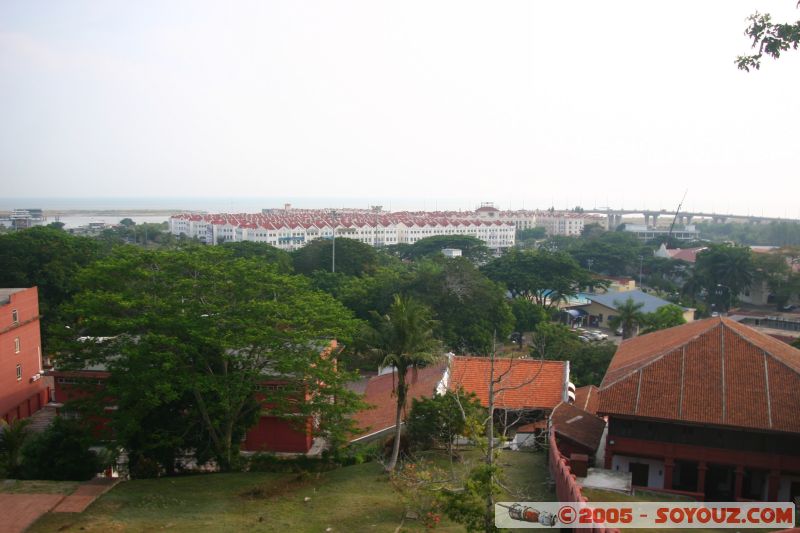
<point x="15" y="486"/>
<point x="353" y="498"/>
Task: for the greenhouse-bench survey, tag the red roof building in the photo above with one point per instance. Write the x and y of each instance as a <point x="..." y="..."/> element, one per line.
<point x="525" y="384"/>
<point x="577" y="430"/>
<point x="22" y="391"/>
<point x="379" y="420"/>
<point x="711" y="408"/>
<point x="586" y="398"/>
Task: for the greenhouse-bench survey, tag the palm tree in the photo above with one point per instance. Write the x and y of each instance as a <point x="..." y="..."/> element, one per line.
<point x="629" y="316"/>
<point x="12" y="438"/>
<point x="405" y="340"/>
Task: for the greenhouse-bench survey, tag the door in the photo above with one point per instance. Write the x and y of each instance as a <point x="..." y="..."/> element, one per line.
<point x="639" y="473"/>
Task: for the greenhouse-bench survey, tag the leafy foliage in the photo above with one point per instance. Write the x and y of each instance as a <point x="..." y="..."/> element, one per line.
<point x="190" y="337"/>
<point x="722" y="272"/>
<point x="437" y="421"/>
<point x="628" y="316"/>
<point x="353" y="258"/>
<point x="544" y="277"/>
<point x="48" y="258"/>
<point x="12" y="440"/>
<point x="664" y="317"/>
<point x="471" y="248"/>
<point x="768" y="38"/>
<point x="470" y="309"/>
<point x="404" y="339"/>
<point x="61" y="453"/>
<point x="527" y="315"/>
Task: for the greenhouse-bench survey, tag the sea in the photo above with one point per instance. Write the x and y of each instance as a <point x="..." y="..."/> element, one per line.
<point x="75" y="212"/>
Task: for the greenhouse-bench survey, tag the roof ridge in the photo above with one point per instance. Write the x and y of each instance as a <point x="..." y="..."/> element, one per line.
<point x="657" y="357"/>
<point x="764" y="349"/>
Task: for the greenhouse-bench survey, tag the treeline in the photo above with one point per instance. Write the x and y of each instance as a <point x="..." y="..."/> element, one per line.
<point x="772" y="234"/>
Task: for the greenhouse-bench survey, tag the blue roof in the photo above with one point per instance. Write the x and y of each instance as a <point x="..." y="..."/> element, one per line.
<point x="650" y="303"/>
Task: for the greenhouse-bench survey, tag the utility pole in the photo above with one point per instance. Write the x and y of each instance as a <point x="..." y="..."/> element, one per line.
<point x="641" y="262"/>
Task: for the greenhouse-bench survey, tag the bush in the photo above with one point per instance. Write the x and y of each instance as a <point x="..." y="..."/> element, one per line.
<point x="267" y="462"/>
<point x="144" y="468"/>
<point x="61" y="453"/>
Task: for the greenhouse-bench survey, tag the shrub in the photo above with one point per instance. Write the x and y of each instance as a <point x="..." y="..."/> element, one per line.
<point x="61" y="453"/>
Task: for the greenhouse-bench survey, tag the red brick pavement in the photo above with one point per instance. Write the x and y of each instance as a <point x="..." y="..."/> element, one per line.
<point x="85" y="494"/>
<point x="19" y="511"/>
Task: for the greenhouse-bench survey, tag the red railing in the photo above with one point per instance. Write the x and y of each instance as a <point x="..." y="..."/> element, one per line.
<point x="27" y="407"/>
<point x="567" y="489"/>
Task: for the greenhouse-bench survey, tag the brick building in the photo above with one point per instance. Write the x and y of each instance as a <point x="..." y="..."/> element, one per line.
<point x="22" y="391"/>
<point x="711" y="409"/>
<point x="288" y="433"/>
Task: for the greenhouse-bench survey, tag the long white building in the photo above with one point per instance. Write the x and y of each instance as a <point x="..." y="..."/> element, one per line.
<point x="291" y="229"/>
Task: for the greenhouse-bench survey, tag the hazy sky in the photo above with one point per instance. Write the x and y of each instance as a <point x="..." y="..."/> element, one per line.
<point x="548" y="103"/>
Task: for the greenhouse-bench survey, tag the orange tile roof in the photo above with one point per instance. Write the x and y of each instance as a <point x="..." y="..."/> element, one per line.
<point x="713" y="371"/>
<point x="379" y="393"/>
<point x="586" y="398"/>
<point x="529" y="383"/>
<point x="578" y="425"/>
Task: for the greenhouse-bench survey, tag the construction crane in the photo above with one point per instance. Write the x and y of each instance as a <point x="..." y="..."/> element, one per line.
<point x="672" y="226"/>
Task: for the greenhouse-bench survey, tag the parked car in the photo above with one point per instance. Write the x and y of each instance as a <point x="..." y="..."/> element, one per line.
<point x="584" y="338"/>
<point x="618" y="332"/>
<point x="600" y="335"/>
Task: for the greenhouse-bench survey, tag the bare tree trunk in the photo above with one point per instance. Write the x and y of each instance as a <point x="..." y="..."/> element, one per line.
<point x="489" y="513"/>
<point x="396" y="445"/>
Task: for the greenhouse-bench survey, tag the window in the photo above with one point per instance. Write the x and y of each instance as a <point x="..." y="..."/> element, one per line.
<point x="16" y="345"/>
<point x="19" y="372"/>
<point x="14" y="317"/>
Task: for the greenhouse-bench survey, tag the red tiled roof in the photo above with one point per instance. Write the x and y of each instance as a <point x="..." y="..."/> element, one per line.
<point x="714" y="371"/>
<point x="529" y="383"/>
<point x="380" y="394"/>
<point x="686" y="254"/>
<point x="586" y="398"/>
<point x="578" y="425"/>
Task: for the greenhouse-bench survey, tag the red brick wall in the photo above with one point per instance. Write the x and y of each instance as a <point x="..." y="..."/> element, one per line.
<point x="20" y="397"/>
<point x="275" y="434"/>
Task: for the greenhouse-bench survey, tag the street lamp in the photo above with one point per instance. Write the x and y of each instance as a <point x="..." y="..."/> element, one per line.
<point x="641" y="262"/>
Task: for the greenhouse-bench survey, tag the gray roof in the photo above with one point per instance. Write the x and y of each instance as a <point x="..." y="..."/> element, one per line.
<point x="650" y="303"/>
<point x="5" y="294"/>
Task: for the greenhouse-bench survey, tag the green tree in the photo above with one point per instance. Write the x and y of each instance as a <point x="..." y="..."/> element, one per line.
<point x="353" y="258"/>
<point x="554" y="341"/>
<point x="724" y="271"/>
<point x="49" y="259"/>
<point x="527" y="315"/>
<point x="589" y="361"/>
<point x="615" y="253"/>
<point x="664" y="317"/>
<point x="263" y="252"/>
<point x="439" y="420"/>
<point x="13" y="437"/>
<point x="628" y="316"/>
<point x="470" y="309"/>
<point x="202" y="330"/>
<point x="404" y="338"/>
<point x="546" y="278"/>
<point x="472" y="248"/>
<point x="768" y="38"/>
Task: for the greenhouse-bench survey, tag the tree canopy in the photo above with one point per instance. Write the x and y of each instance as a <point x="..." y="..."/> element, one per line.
<point x="353" y="258"/>
<point x="544" y="277"/>
<point x="770" y="38"/>
<point x="190" y="336"/>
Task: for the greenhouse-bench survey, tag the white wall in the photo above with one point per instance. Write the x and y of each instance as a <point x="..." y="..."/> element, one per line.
<point x="785" y="486"/>
<point x="655" y="475"/>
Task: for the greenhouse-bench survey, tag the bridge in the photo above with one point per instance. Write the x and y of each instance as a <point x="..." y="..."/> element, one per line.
<point x="684" y="217"/>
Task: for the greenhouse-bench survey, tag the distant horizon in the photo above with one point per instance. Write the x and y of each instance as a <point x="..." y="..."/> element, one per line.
<point x="254" y="204"/>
